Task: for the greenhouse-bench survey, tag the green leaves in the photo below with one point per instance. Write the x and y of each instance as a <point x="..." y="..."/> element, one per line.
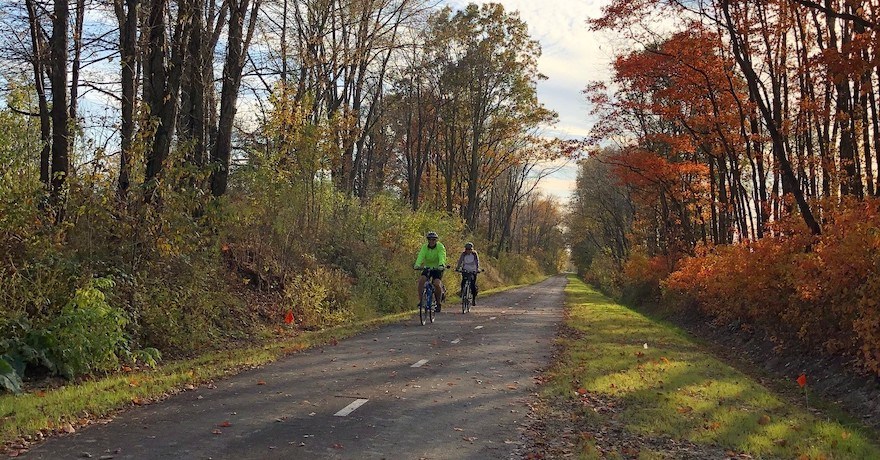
<point x="87" y="336"/>
<point x="9" y="378"/>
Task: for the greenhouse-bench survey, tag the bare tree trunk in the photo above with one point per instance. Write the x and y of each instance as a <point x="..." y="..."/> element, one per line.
<point x="788" y="177"/>
<point x="77" y="58"/>
<point x="238" y="41"/>
<point x="850" y="183"/>
<point x="59" y="113"/>
<point x="162" y="83"/>
<point x="867" y="87"/>
<point x="38" y="63"/>
<point x="193" y="87"/>
<point x="127" y="17"/>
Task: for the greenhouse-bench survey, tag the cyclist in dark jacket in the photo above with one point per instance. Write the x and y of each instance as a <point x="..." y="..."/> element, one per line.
<point x="469" y="265"/>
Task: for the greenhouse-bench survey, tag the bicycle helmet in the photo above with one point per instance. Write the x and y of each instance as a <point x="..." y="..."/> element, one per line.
<point x="469" y="245"/>
<point x="431" y="235"/>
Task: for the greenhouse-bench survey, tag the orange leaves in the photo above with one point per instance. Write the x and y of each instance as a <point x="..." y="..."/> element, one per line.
<point x="824" y="289"/>
<point x="684" y="410"/>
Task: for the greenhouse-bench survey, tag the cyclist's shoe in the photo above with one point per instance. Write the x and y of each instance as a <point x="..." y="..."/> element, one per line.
<point x="437" y="308"/>
<point x="474" y="301"/>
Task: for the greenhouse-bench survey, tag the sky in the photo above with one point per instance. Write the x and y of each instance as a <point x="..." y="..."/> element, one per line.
<point x="572" y="56"/>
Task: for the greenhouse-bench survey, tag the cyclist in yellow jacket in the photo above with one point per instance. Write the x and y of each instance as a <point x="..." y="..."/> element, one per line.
<point x="432" y="261"/>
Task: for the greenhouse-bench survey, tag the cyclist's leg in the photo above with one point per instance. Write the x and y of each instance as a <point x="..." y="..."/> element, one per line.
<point x="422" y="281"/>
<point x="438" y="286"/>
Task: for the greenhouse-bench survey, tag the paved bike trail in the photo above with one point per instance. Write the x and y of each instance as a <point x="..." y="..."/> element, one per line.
<point x="466" y="399"/>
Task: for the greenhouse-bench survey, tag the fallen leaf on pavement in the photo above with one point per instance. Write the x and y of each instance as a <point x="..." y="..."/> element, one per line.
<point x="225" y="424"/>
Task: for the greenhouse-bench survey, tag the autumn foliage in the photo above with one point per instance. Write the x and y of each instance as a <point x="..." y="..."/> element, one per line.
<point x="819" y="292"/>
<point x="742" y="139"/>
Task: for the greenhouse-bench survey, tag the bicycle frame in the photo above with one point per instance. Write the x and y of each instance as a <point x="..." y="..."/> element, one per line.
<point x="466" y="292"/>
<point x="426" y="306"/>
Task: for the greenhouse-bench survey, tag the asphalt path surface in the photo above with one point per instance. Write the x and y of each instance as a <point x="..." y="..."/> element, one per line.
<point x="458" y="388"/>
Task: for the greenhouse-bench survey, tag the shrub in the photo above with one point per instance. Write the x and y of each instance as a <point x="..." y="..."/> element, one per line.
<point x="87" y="336"/>
<point x="518" y="268"/>
<point x="814" y="293"/>
<point x="319" y="298"/>
<point x="642" y="276"/>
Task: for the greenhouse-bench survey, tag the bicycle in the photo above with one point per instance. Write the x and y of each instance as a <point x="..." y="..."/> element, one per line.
<point x="467" y="295"/>
<point x="426" y="308"/>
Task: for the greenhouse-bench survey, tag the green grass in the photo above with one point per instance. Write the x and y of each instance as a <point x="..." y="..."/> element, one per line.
<point x="674" y="388"/>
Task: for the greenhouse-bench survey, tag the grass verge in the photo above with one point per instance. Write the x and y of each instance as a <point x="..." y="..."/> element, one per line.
<point x="620" y="368"/>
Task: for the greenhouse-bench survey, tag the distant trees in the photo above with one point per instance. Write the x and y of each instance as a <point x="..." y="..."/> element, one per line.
<point x="437" y="104"/>
<point x="470" y="103"/>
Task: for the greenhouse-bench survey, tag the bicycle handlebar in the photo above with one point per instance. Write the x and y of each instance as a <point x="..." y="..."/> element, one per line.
<point x="431" y="268"/>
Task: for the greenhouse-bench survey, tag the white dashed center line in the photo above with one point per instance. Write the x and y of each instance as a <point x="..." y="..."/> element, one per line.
<point x="351" y="407"/>
<point x="420" y="363"/>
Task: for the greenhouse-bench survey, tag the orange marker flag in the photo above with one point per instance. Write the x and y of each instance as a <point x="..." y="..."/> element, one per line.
<point x="289" y="318"/>
<point x="802" y="380"/>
